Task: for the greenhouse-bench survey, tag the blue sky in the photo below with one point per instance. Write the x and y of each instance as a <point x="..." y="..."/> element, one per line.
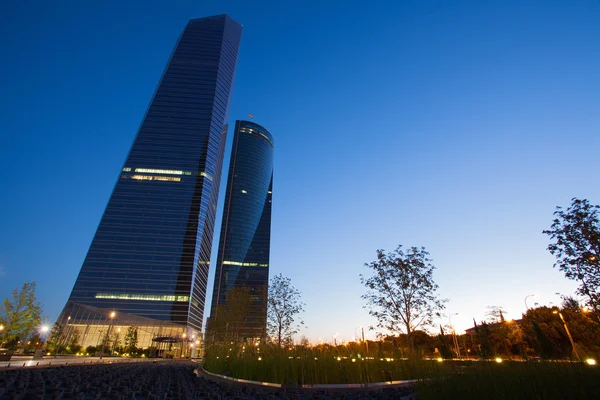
<point x="454" y="125"/>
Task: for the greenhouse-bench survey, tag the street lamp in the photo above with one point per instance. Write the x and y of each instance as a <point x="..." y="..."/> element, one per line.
<point x="43" y="330"/>
<point x="526" y="297"/>
<point x="568" y="333"/>
<point x="454" y="339"/>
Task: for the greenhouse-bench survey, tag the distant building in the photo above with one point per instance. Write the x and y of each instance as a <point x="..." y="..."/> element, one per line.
<point x="243" y="258"/>
<point x="148" y="262"/>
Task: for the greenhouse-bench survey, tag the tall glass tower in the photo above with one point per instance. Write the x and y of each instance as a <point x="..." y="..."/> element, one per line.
<point x="147" y="265"/>
<point x="243" y="258"/>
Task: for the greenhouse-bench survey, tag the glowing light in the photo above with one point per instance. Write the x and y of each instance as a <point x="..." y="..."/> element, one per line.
<point x="44" y="328"/>
<point x="206" y="175"/>
<point x="498" y="360"/>
<point x="440" y="359"/>
<point x="112" y="314"/>
<point x="259" y="358"/>
<point x="156" y="178"/>
<point x="244" y="264"/>
<point x="354" y="360"/>
<point x="590" y="361"/>
<point x="339" y="358"/>
<point x="135" y="296"/>
<point x="244" y="191"/>
<point x="159" y="171"/>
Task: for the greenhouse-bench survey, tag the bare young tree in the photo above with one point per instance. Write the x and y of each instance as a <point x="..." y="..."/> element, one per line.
<point x="402" y="294"/>
<point x="284" y="305"/>
<point x="575" y="234"/>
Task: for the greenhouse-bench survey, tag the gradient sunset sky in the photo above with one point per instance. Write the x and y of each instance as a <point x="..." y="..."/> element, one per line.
<point x="454" y="125"/>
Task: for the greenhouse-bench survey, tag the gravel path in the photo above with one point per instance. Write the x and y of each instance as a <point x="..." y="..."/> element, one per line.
<point x="160" y="380"/>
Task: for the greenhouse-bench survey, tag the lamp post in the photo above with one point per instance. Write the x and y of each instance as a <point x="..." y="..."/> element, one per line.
<point x="454" y="339"/>
<point x="43" y="330"/>
<point x="526" y="297"/>
<point x="568" y="334"/>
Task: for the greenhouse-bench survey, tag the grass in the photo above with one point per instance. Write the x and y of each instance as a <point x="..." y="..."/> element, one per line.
<point x="436" y="380"/>
<point x="514" y="380"/>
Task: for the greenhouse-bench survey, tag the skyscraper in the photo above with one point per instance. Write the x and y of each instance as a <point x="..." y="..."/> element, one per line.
<point x="243" y="258"/>
<point x="148" y="262"/>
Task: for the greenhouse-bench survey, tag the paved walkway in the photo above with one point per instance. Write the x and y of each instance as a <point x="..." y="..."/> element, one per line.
<point x="28" y="361"/>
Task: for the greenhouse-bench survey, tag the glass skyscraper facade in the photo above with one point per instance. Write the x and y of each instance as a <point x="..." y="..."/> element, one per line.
<point x="149" y="258"/>
<point x="244" y="246"/>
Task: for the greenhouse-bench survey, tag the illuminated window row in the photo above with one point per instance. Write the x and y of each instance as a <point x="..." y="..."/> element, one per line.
<point x="162" y="171"/>
<point x="156" y="178"/>
<point x="241" y="264"/>
<point x="150" y="297"/>
<point x="167" y="171"/>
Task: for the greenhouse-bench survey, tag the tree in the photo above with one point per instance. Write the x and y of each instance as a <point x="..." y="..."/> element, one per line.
<point x="483" y="340"/>
<point x="21" y="315"/>
<point x="575" y="234"/>
<point x="284" y="305"/>
<point x="131" y="340"/>
<point x="230" y="321"/>
<point x="445" y="350"/>
<point x="402" y="294"/>
<point x="74" y="345"/>
<point x="56" y="338"/>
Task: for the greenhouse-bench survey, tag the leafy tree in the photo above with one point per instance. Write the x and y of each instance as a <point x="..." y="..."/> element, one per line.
<point x="304" y="342"/>
<point x="56" y="338"/>
<point x="445" y="350"/>
<point x="402" y="294"/>
<point x="284" y="304"/>
<point x="495" y="314"/>
<point x="116" y="342"/>
<point x="74" y="338"/>
<point x="571" y="303"/>
<point x="483" y="340"/>
<point x="131" y="340"/>
<point x="575" y="234"/>
<point x="21" y="315"/>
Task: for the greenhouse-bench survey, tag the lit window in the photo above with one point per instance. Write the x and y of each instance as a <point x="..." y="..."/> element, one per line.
<point x="244" y="264"/>
<point x="167" y="178"/>
<point x="269" y="192"/>
<point x="243" y="191"/>
<point x="126" y="169"/>
<point x="139" y="296"/>
<point x="206" y="175"/>
<point x="159" y="171"/>
<point x="156" y="178"/>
